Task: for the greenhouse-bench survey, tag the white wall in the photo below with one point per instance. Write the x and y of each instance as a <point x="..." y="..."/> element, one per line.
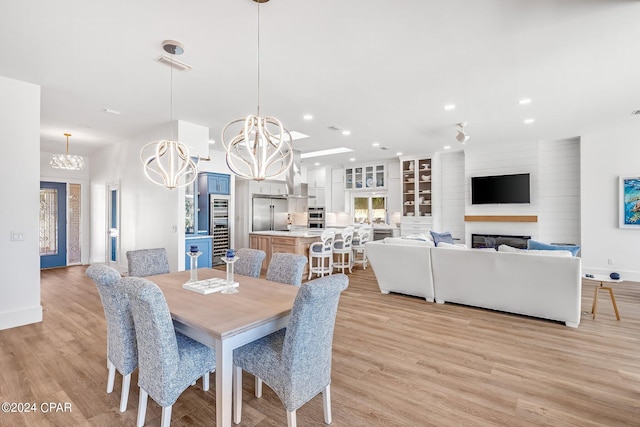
<point x="502" y="159"/>
<point x="451" y="194"/>
<point x="20" y="177"/>
<point x="607" y="154"/>
<point x="559" y="191"/>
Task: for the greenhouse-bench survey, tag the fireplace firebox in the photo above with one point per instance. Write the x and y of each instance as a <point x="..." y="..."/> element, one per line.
<point x="495" y="240"/>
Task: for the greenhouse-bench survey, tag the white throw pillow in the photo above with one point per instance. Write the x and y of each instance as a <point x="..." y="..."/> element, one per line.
<point x="446" y="245"/>
<point x="559" y="253"/>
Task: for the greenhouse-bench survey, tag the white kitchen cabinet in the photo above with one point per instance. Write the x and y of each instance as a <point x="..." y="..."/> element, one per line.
<point x="267" y="187"/>
<point x="366" y="177"/>
<point x="319" y="181"/>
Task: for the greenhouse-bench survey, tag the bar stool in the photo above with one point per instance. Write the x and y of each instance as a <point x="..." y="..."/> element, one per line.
<point x="321" y="251"/>
<point x="358" y="245"/>
<point x="342" y="247"/>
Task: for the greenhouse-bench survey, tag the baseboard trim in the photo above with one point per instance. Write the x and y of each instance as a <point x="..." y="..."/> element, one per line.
<point x="26" y="316"/>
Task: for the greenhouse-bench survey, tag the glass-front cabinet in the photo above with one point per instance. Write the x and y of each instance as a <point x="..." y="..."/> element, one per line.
<point x="416" y="187"/>
<point x="191" y="208"/>
<point x="368" y="177"/>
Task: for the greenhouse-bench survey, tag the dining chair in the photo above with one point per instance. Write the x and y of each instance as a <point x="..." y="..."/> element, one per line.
<point x="122" y="353"/>
<point x="169" y="362"/>
<point x="147" y="262"/>
<point x="322" y="253"/>
<point x="342" y="247"/>
<point x="286" y="268"/>
<point x="249" y="262"/>
<point x="295" y="362"/>
<point x="358" y="245"/>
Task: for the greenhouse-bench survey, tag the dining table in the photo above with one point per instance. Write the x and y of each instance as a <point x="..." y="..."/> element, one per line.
<point x="226" y="321"/>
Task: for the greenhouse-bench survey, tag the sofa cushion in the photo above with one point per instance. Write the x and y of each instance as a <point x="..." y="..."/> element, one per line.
<point x="533" y="244"/>
<point x="441" y="237"/>
<point x="410" y="242"/>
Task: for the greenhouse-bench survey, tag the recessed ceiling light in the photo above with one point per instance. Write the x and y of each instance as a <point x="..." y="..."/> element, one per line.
<point x="399" y="153"/>
<point x="352" y="159"/>
<point x="346" y="132"/>
<point x="211" y="141"/>
<point x="529" y="121"/>
<point x="447" y="147"/>
<point x="316" y="164"/>
<point x="450" y="107"/>
<point x="375" y="144"/>
<point x="325" y="152"/>
<point x="110" y="111"/>
<point x="307" y="117"/>
<point x="524" y="101"/>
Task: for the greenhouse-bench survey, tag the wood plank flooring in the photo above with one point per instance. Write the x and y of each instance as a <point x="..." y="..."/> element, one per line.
<point x="398" y="361"/>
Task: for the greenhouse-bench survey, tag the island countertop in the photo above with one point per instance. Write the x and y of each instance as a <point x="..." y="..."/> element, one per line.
<point x="304" y="233"/>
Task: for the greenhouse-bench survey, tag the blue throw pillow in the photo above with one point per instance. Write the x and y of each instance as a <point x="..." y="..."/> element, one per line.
<point x="533" y="244"/>
<point x="442" y="237"/>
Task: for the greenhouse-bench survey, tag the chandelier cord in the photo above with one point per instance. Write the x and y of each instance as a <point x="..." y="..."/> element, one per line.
<point x="171" y="98"/>
<point x="258" y="59"/>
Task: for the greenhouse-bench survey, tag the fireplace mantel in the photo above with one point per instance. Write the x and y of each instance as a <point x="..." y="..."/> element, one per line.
<point x="501" y="218"/>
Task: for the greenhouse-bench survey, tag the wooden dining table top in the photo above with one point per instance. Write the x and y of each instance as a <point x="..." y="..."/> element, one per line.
<point x="224" y="315"/>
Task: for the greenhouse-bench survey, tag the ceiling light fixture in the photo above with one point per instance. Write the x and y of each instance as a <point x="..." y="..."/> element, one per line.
<point x="461" y="137"/>
<point x="399" y="153"/>
<point x="528" y="121"/>
<point x="447" y="147"/>
<point x="352" y="159"/>
<point x="67" y="161"/>
<point x="262" y="148"/>
<point x="307" y="117"/>
<point x="375" y="144"/>
<point x="450" y="107"/>
<point x="524" y="101"/>
<point x="169" y="163"/>
<point x="346" y="132"/>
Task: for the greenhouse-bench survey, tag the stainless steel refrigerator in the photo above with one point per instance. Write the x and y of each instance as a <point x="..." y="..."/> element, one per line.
<point x="269" y="213"/>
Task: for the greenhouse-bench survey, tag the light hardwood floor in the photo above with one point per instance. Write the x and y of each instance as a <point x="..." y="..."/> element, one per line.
<point x="398" y="361"/>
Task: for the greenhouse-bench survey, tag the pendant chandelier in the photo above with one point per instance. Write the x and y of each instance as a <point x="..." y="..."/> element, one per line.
<point x="261" y="148"/>
<point x="170" y="163"/>
<point x="67" y="161"/>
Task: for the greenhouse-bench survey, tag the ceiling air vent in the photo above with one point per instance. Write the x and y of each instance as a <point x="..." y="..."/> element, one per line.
<point x="635" y="113"/>
<point x="334" y="128"/>
<point x="178" y="65"/>
<point x="384" y="148"/>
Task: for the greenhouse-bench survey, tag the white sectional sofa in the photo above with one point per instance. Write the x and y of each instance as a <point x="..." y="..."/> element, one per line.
<point x="397" y="268"/>
<point x="533" y="284"/>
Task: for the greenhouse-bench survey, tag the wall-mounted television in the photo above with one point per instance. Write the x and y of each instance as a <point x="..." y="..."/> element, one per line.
<point x="500" y="189"/>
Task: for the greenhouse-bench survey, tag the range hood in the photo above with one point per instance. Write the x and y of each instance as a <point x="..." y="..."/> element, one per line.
<point x="293" y="182"/>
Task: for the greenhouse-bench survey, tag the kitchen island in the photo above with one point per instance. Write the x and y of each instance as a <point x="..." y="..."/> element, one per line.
<point x="292" y="242"/>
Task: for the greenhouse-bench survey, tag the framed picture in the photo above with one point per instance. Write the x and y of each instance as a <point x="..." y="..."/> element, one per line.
<point x="629" y="202"/>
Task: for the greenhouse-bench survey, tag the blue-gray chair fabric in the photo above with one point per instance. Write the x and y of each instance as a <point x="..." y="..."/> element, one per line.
<point x="286" y="268"/>
<point x="122" y="352"/>
<point x="169" y="362"/>
<point x="249" y="262"/>
<point x="121" y="349"/>
<point x="296" y="362"/>
<point x="147" y="262"/>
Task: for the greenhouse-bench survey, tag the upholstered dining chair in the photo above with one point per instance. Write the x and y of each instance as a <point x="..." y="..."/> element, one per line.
<point x="342" y="247"/>
<point x="358" y="245"/>
<point x="295" y="362"/>
<point x="147" y="262"/>
<point x="122" y="353"/>
<point x="286" y="268"/>
<point x="249" y="262"/>
<point x="321" y="254"/>
<point x="169" y="362"/>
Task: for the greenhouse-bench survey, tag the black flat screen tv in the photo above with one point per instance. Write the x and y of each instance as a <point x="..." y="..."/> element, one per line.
<point x="500" y="189"/>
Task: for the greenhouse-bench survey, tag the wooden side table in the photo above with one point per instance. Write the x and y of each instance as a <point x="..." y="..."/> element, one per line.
<point x="601" y="279"/>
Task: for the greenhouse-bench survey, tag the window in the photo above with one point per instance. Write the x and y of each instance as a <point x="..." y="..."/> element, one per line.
<point x="369" y="209"/>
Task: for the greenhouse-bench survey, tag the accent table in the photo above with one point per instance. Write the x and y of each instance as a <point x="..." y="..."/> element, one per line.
<point x="601" y="279"/>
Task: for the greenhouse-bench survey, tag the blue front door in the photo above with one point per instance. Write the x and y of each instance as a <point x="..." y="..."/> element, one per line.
<point x="53" y="224"/>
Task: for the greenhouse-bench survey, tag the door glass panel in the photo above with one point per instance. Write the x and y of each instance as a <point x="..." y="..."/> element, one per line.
<point x="73" y="224"/>
<point x="48" y="221"/>
<point x="113" y="224"/>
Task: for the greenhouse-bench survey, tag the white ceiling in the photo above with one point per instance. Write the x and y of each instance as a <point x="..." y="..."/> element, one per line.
<point x="382" y="69"/>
